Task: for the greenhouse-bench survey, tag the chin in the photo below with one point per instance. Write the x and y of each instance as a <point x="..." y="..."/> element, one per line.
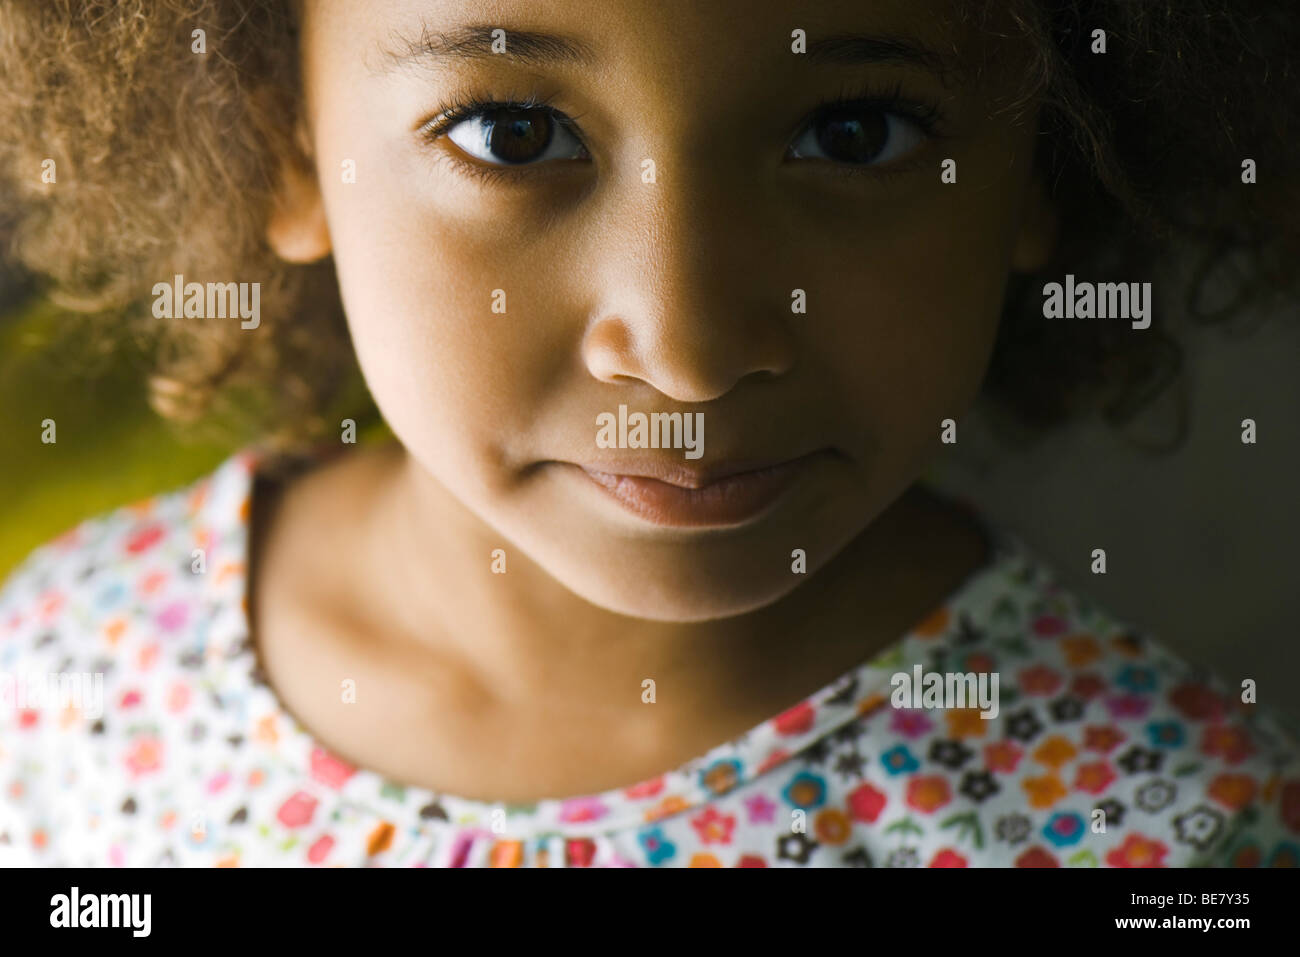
<point x="681" y="595"/>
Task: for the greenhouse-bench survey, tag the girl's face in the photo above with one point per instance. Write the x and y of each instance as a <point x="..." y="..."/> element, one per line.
<point x="509" y="275"/>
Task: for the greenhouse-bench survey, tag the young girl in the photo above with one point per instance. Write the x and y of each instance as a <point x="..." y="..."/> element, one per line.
<point x="668" y="307"/>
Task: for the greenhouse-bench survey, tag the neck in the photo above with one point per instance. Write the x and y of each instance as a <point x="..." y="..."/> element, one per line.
<point x="531" y="641"/>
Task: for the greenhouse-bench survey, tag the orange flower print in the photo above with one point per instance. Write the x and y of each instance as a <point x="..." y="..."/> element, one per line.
<point x="722" y="776"/>
<point x="928" y="792"/>
<point x="934" y="624"/>
<point x="669" y="805"/>
<point x="1103" y="738"/>
<point x="1055" y="751"/>
<point x="704" y="860"/>
<point x="1233" y="791"/>
<point x="380" y="839"/>
<point x="1127" y="645"/>
<point x="832" y="826"/>
<point x="1045" y="791"/>
<point x="1138" y="851"/>
<point x="871" y="704"/>
<point x="1230" y="743"/>
<point x="113" y="631"/>
<point x="144" y="756"/>
<point x="266" y="730"/>
<point x="966" y="723"/>
<point x="1080" y="650"/>
<point x="507" y="854"/>
<point x="1002" y="756"/>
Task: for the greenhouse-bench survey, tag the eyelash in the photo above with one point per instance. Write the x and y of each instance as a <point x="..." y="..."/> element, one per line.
<point x="926" y="115"/>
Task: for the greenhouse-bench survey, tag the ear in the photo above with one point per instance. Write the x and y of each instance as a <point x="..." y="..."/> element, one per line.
<point x="1039" y="223"/>
<point x="296" y="229"/>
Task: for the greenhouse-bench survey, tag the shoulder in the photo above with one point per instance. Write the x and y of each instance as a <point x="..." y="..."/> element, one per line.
<point x="94" y="627"/>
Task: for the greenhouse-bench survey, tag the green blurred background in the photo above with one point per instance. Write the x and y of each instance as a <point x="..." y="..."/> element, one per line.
<point x="111" y="448"/>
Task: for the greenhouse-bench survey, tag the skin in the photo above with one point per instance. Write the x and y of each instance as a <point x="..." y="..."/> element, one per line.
<point x="672" y="296"/>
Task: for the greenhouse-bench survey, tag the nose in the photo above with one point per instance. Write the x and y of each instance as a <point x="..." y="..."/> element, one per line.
<point x="687" y="301"/>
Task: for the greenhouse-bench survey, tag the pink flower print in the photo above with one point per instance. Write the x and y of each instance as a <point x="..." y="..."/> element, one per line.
<point x="218" y="782"/>
<point x="144" y="539"/>
<point x="948" y="858"/>
<point x="320" y="849"/>
<point x="297" y="811"/>
<point x="795" y="721"/>
<point x="145" y="755"/>
<point x="582" y="809"/>
<point x="645" y="789"/>
<point x="329" y="770"/>
<point x="714" y="828"/>
<point x="911" y="723"/>
<point x="178" y="697"/>
<point x="1047" y="626"/>
<point x="772" y="760"/>
<point x="51" y="602"/>
<point x="1039" y="679"/>
<point x="130" y="699"/>
<point x="1087" y="686"/>
<point x="1128" y="705"/>
<point x="1197" y="701"/>
<point x="1231" y="744"/>
<point x="866" y="803"/>
<point x="761" y="810"/>
<point x="173" y="616"/>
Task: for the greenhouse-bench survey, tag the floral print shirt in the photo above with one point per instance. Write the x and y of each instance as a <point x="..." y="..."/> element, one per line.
<point x="188" y="758"/>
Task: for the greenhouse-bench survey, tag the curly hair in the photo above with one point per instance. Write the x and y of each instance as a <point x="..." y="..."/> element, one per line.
<point x="168" y="163"/>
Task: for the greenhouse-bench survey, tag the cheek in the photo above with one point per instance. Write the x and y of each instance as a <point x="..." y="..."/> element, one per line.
<point x="449" y="324"/>
<point x="912" y="311"/>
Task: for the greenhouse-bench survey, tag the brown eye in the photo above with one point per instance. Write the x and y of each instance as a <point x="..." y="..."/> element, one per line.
<point x="509" y="136"/>
<point x="849" y="135"/>
<point x="857" y="135"/>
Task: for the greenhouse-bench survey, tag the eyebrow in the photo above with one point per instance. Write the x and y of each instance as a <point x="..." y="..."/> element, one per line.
<point x="860" y="49"/>
<point x="474" y="42"/>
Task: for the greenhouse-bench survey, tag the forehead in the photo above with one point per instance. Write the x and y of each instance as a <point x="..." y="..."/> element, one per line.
<point x="397" y="36"/>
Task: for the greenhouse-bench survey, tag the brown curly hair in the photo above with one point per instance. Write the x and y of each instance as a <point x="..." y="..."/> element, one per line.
<point x="167" y="163"/>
